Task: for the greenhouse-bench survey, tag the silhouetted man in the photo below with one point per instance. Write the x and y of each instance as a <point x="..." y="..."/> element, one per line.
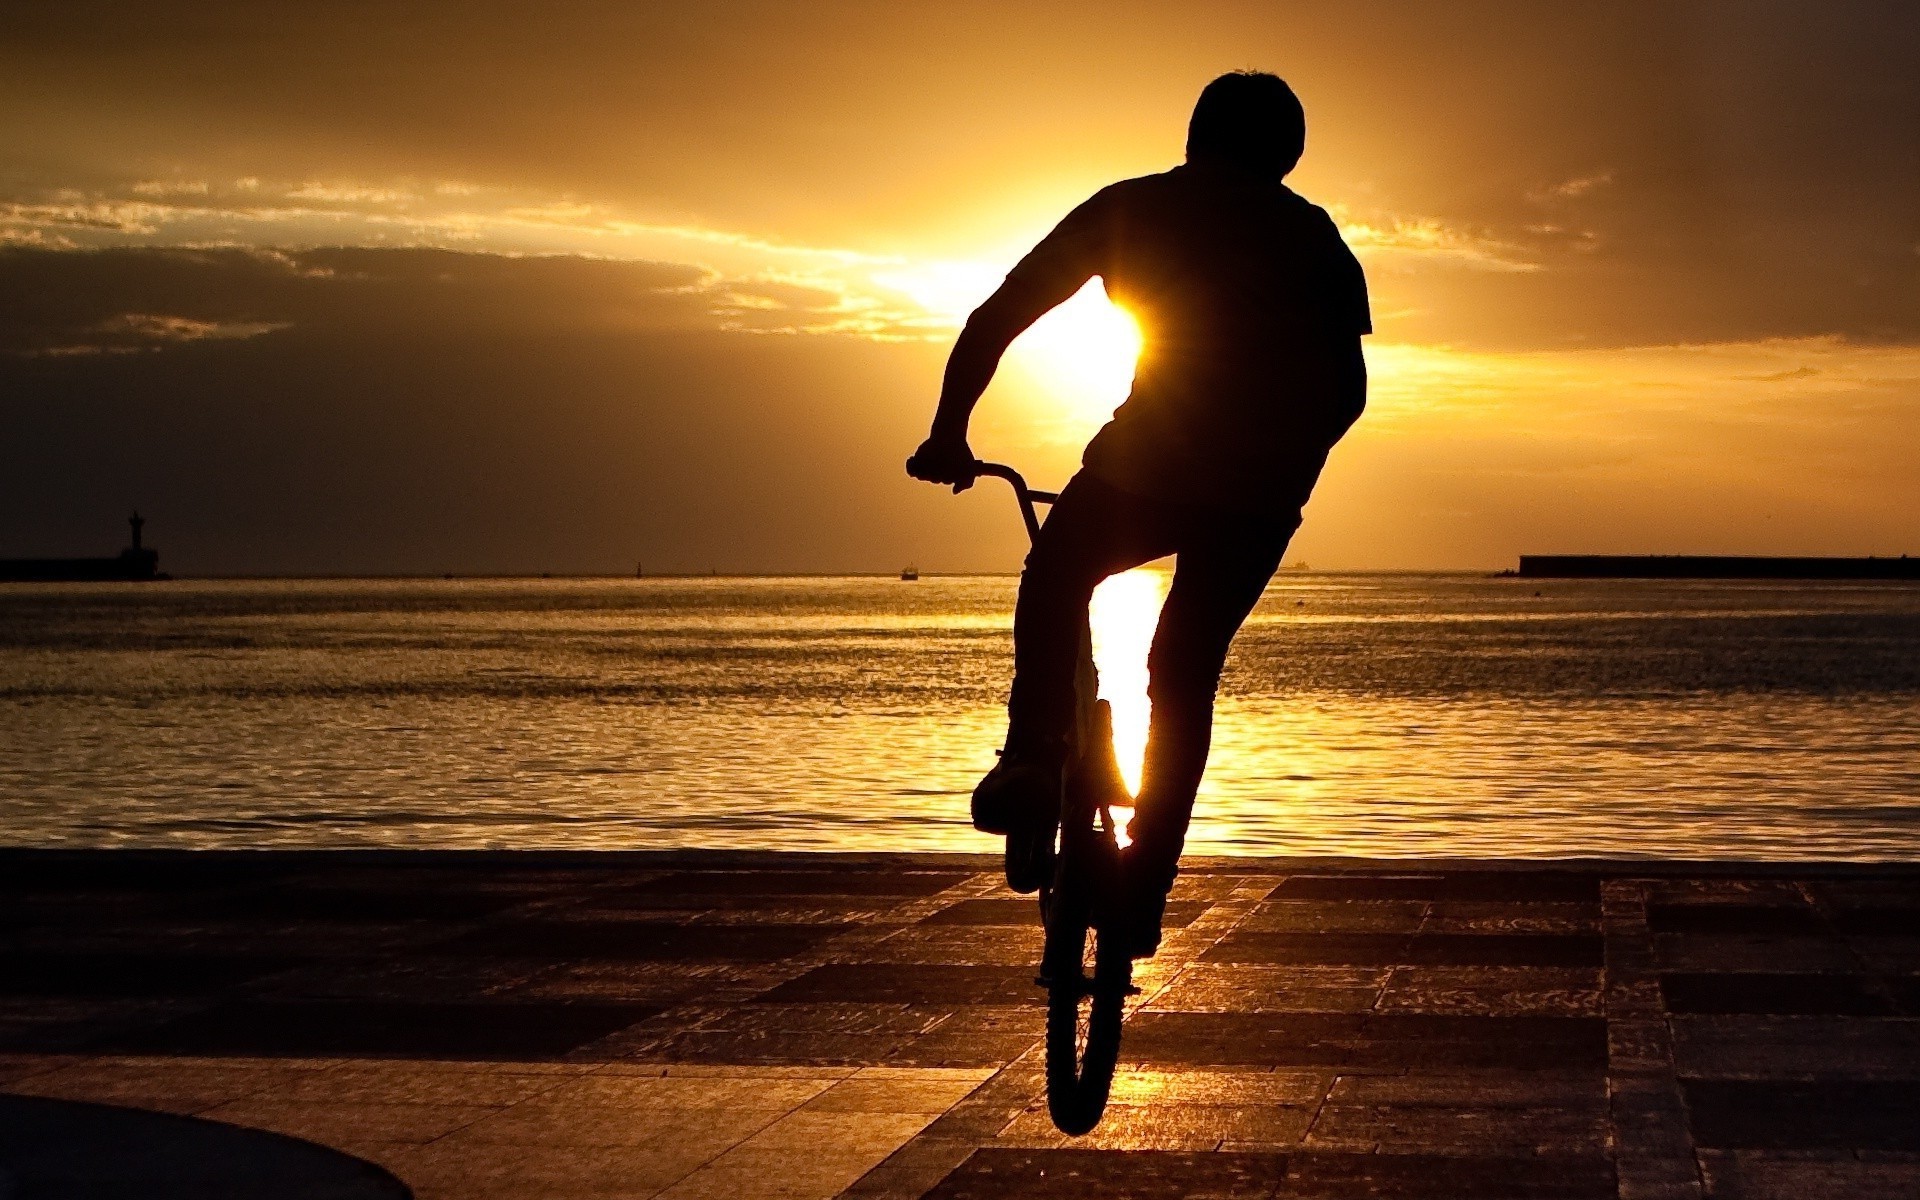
<point x="1251" y="310"/>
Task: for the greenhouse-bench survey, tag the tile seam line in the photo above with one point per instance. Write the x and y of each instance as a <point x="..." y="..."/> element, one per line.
<point x="1629" y="950"/>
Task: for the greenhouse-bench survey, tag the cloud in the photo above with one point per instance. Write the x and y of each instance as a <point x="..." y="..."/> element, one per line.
<point x="828" y="290"/>
<point x="1408" y="242"/>
<point x="70" y="302"/>
<point x="1570" y="189"/>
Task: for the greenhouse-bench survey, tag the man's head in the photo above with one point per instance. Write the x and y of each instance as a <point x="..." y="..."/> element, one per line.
<point x="1250" y="120"/>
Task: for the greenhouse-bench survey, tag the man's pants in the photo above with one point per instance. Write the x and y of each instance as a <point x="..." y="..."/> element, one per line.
<point x="1097" y="530"/>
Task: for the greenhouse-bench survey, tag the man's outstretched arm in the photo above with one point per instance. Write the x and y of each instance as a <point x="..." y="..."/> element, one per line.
<point x="945" y="456"/>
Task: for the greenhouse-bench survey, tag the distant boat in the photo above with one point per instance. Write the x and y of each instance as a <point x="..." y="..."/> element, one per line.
<point x="910" y="574"/>
<point x="136" y="562"/>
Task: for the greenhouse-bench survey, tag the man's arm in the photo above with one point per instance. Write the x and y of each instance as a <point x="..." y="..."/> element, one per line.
<point x="945" y="456"/>
<point x="1051" y="272"/>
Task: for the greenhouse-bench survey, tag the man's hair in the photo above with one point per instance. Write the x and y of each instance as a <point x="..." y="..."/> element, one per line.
<point x="1251" y="120"/>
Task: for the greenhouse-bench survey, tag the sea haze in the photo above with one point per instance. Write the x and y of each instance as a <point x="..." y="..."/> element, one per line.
<point x="1361" y="714"/>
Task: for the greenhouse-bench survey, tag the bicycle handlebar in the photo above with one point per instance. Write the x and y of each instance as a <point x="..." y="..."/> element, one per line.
<point x="1028" y="497"/>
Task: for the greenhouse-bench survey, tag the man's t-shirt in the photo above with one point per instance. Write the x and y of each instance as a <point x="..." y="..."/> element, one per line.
<point x="1248" y="303"/>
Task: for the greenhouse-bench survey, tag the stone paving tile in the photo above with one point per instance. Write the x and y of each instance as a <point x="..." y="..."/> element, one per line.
<point x="1466" y="916"/>
<point x="1310" y="949"/>
<point x="883" y="983"/>
<point x="450" y="1169"/>
<point x="806" y="1155"/>
<point x="639" y="941"/>
<point x="1504" y="950"/>
<point x="1493" y="991"/>
<point x="773" y="1048"/>
<point x="351" y="900"/>
<point x="1331" y="1176"/>
<point x="1364" y="1040"/>
<point x="1690" y="889"/>
<point x="899" y="1093"/>
<point x="1336" y="916"/>
<point x="1201" y="885"/>
<point x="1894" y="955"/>
<point x="28" y="1066"/>
<point x="1020" y="911"/>
<point x="426" y="1030"/>
<point x="799" y="883"/>
<point x="1239" y="987"/>
<point x="1244" y="1088"/>
<point x="116" y="974"/>
<point x="335" y="1124"/>
<point x="1484" y="1089"/>
<point x="1728" y="953"/>
<point x="1181" y="1126"/>
<point x="633" y="983"/>
<point x="960" y="945"/>
<point x="992" y="1174"/>
<point x="185" y="1090"/>
<point x="1075" y="1174"/>
<point x="1459" y="1129"/>
<point x="1548" y="886"/>
<point x="1905" y="994"/>
<point x="52" y="1025"/>
<point x="810" y="1017"/>
<point x="1840" y="1115"/>
<point x="272" y="944"/>
<point x="1749" y="1175"/>
<point x="414" y="1082"/>
<point x="426" y="978"/>
<point x="1810" y="1048"/>
<point x="1771" y="920"/>
<point x="676" y="1070"/>
<point x="587" y="1030"/>
<point x="1776" y="995"/>
<point x="1878" y="922"/>
<point x="1387" y="949"/>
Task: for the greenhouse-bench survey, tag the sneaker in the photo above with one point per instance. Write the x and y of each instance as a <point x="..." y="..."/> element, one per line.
<point x="1020" y="799"/>
<point x="1019" y="787"/>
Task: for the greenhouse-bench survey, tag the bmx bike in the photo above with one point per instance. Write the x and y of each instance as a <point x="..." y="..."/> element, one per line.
<point x="1087" y="973"/>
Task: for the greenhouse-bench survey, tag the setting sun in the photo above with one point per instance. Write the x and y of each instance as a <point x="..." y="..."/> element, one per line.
<point x="1082" y="354"/>
<point x="1080" y="357"/>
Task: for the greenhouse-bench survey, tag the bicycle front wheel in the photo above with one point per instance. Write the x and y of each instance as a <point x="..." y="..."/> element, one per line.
<point x="1087" y="984"/>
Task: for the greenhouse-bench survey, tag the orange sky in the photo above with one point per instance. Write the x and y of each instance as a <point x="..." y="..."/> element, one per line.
<point x="486" y="288"/>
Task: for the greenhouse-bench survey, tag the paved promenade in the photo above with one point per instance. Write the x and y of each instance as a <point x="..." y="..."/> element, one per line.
<point x="802" y="1027"/>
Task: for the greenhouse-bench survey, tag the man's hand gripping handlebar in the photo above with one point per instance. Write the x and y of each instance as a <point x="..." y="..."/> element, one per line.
<point x="944" y="460"/>
<point x="944" y="463"/>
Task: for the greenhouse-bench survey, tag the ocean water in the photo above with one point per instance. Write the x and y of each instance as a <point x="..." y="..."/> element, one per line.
<point x="1381" y="715"/>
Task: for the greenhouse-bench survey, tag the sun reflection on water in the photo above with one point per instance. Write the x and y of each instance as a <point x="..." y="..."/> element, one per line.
<point x="1124" y="612"/>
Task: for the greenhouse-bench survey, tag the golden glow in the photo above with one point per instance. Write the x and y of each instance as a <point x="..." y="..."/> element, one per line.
<point x="1082" y="353"/>
<point x="1125" y="610"/>
<point x="1080" y="356"/>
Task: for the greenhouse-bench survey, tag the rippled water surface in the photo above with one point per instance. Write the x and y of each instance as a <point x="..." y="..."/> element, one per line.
<point x="1363" y="714"/>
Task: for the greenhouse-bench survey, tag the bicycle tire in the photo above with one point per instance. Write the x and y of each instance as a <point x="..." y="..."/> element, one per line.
<point x="1086" y="977"/>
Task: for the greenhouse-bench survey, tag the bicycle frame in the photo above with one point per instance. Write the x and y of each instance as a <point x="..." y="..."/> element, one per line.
<point x="1027" y="496"/>
<point x="1083" y="1012"/>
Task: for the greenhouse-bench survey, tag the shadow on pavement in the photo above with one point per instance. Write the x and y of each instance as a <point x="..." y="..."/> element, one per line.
<point x="63" y="1148"/>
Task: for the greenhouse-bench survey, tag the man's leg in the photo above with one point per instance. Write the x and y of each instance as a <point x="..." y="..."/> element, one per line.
<point x="1219" y="578"/>
<point x="1094" y="531"/>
